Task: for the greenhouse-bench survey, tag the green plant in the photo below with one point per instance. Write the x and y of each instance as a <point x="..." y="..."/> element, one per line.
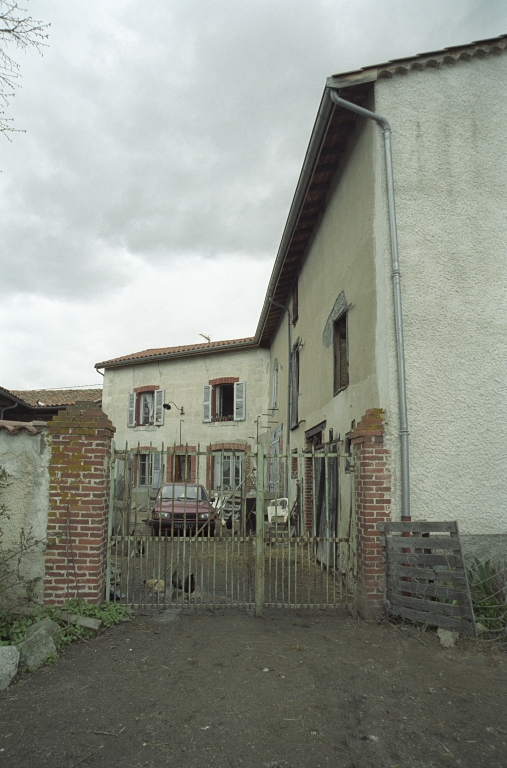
<point x="50" y="659"/>
<point x="108" y="613"/>
<point x="13" y="626"/>
<point x="487" y="590"/>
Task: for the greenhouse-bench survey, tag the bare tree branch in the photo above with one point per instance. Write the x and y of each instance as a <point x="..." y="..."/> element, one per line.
<point x="19" y="30"/>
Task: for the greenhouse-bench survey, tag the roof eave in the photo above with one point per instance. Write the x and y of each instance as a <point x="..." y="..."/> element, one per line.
<point x="172" y="355"/>
<point x="308" y="170"/>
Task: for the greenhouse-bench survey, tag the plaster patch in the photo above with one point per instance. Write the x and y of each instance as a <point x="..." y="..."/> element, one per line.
<point x="339" y="307"/>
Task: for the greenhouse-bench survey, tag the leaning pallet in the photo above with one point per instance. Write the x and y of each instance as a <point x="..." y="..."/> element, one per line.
<point x="425" y="575"/>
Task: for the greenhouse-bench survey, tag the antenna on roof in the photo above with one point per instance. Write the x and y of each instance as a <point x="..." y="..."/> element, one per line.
<point x="208" y="338"/>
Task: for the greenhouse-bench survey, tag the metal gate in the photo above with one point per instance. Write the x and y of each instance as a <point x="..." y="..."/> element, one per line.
<point x="231" y="528"/>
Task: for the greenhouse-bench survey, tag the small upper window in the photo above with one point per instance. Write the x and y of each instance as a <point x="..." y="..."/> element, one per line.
<point x="295" y="303"/>
<point x="224" y="400"/>
<point x="274" y="386"/>
<point x="341" y="354"/>
<point x="294" y="385"/>
<point x="146" y="407"/>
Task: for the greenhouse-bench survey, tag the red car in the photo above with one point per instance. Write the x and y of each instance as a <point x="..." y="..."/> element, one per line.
<point x="182" y="507"/>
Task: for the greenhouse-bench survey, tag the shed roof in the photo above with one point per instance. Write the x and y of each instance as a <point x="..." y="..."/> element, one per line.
<point x="51" y="398"/>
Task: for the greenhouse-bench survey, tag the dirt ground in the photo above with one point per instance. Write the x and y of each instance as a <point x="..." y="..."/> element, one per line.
<point x="293" y="689"/>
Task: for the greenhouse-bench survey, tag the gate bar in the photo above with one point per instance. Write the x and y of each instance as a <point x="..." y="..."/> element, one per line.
<point x="259" y="533"/>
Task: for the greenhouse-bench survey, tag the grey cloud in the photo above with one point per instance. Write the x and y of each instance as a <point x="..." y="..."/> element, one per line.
<point x="156" y="129"/>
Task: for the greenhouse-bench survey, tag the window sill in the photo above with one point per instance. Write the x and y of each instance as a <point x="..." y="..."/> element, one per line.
<point x="222" y="423"/>
<point x="342" y="389"/>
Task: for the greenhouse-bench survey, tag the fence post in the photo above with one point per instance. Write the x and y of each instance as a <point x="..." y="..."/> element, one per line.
<point x="112" y="489"/>
<point x="259" y="533"/>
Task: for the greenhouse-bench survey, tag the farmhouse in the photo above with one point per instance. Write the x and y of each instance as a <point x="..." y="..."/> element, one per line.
<point x="384" y="327"/>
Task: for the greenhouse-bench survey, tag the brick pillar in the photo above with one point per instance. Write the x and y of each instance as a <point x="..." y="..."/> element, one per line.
<point x="75" y="559"/>
<point x="308" y="494"/>
<point x="373" y="505"/>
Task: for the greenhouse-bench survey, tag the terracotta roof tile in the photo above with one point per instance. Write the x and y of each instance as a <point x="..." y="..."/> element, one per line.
<point x="54" y="397"/>
<point x="187" y="349"/>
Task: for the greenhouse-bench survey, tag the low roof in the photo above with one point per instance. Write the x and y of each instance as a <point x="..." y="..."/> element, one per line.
<point x="187" y="350"/>
<point x="51" y="398"/>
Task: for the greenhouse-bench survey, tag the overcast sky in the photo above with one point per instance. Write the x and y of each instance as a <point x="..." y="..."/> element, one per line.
<point x="164" y="138"/>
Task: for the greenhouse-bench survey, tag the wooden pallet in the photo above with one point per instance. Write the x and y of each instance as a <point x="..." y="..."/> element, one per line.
<point x="425" y="575"/>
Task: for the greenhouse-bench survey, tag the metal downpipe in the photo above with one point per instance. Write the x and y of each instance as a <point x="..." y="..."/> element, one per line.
<point x="287" y="431"/>
<point x="398" y="316"/>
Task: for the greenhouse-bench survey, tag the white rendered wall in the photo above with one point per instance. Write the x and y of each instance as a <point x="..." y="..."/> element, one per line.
<point x="450" y="167"/>
<point x="26" y="459"/>
<point x="183" y="380"/>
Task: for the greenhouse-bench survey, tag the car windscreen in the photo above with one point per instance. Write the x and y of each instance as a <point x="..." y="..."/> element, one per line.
<point x="180" y="492"/>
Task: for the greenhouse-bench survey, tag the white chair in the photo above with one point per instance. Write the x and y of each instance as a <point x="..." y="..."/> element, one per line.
<point x="278" y="511"/>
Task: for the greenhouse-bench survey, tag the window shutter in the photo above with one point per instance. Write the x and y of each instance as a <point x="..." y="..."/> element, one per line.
<point x="131" y="418"/>
<point x="274" y="390"/>
<point x="159" y="410"/>
<point x="156" y="469"/>
<point x="294" y="378"/>
<point x="206" y="402"/>
<point x="239" y="401"/>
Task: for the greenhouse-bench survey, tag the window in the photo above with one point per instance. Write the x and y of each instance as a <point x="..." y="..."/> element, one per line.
<point x="341" y="355"/>
<point x="224" y="400"/>
<point x="182" y="468"/>
<point x="145" y="407"/>
<point x="295" y="303"/>
<point x="273" y="473"/>
<point x="294" y="385"/>
<point x="150" y="466"/>
<point x="274" y="386"/>
<point x="227" y="470"/>
<point x="182" y="492"/>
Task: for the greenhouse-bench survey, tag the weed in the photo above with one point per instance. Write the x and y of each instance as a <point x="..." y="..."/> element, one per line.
<point x="487" y="590"/>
